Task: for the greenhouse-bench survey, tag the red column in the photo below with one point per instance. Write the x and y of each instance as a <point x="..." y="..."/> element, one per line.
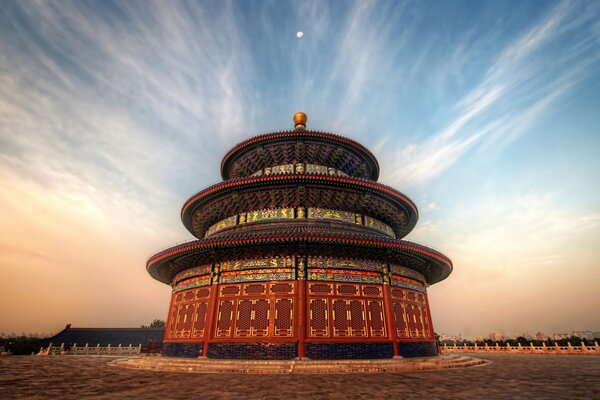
<point x="301" y="305"/>
<point x="389" y="313"/>
<point x="212" y="310"/>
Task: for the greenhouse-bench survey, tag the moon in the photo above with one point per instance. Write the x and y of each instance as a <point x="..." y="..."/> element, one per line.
<point x="299" y="34"/>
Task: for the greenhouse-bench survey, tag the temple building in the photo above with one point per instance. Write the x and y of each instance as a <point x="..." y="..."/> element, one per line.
<point x="299" y="253"/>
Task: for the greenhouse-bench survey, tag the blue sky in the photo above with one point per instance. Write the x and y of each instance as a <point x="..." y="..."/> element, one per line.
<point x="484" y="113"/>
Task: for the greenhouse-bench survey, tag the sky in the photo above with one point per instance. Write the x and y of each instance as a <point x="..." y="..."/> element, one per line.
<point x="485" y="113"/>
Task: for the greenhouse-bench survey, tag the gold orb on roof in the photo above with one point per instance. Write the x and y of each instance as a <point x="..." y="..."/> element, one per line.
<point x="300" y="119"/>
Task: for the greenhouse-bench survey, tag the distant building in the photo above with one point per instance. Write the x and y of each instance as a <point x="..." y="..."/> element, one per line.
<point x="106" y="336"/>
<point x="583" y="334"/>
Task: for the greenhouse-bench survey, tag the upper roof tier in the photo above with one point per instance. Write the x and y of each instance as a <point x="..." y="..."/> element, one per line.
<point x="297" y="146"/>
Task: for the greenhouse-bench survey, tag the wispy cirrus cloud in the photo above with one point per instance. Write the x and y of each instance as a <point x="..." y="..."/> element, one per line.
<point x="519" y="86"/>
<point x="106" y="120"/>
<point x="131" y="96"/>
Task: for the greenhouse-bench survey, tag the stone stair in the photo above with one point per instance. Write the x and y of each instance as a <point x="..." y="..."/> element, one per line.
<point x="199" y="365"/>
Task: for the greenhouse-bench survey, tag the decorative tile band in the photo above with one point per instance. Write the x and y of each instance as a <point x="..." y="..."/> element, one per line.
<point x="259" y="275"/>
<point x="276" y="214"/>
<point x="314" y="268"/>
<point x="260" y="263"/>
<point x="380" y="226"/>
<point x="192" y="283"/>
<point x="347" y="263"/>
<point x="268" y="215"/>
<point x="191" y="272"/>
<point x="407" y="272"/>
<point x="340" y="275"/>
<point x="326" y="213"/>
<point x="222" y="224"/>
<point x="300" y="168"/>
<point x="407" y="283"/>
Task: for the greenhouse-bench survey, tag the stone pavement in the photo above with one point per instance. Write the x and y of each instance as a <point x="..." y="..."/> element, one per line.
<point x="508" y="377"/>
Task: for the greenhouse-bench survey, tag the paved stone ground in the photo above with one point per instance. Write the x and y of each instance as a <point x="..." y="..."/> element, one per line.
<point x="508" y="377"/>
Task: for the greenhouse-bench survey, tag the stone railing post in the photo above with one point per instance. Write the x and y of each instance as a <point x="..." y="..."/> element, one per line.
<point x="556" y="348"/>
<point x="445" y="347"/>
<point x="570" y="348"/>
<point x="108" y="349"/>
<point x="497" y="347"/>
<point x="508" y="348"/>
<point x="596" y="347"/>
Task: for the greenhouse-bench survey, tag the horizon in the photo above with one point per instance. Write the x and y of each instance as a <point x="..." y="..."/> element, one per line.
<point x="485" y="114"/>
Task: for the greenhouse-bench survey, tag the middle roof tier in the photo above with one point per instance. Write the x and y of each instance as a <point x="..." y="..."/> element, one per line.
<point x="367" y="198"/>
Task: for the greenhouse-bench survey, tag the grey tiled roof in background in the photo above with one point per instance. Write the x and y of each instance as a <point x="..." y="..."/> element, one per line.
<point x="106" y="336"/>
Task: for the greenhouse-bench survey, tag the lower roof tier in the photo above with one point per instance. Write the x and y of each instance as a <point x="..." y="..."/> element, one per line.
<point x="299" y="240"/>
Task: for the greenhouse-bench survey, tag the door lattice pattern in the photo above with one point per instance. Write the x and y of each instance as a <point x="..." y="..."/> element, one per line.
<point x="355" y="311"/>
<point x="187" y="317"/>
<point x="269" y="315"/>
<point x="410" y="314"/>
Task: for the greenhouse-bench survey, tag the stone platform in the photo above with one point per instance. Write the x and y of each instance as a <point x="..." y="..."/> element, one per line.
<point x="212" y="366"/>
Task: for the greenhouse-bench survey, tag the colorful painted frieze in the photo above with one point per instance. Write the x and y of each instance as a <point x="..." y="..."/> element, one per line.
<point x="282" y="169"/>
<point x="192" y="283"/>
<point x="222" y="224"/>
<point x="259" y="263"/>
<point x="300" y="212"/>
<point x="270" y="214"/>
<point x="380" y="226"/>
<point x="191" y="272"/>
<point x="407" y="283"/>
<point x="316" y="169"/>
<point x="299" y="168"/>
<point x="326" y="213"/>
<point x="407" y="272"/>
<point x="331" y="262"/>
<point x="339" y="275"/>
<point x="258" y="275"/>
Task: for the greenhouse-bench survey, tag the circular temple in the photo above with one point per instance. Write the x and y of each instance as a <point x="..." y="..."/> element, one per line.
<point x="299" y="253"/>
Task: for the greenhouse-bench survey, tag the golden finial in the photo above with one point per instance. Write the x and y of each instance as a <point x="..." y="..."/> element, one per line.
<point x="300" y="120"/>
